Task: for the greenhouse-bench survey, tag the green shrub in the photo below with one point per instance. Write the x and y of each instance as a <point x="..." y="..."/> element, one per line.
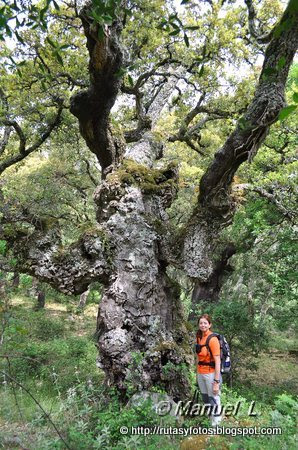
<point x="71" y="361"/>
<point x="47" y="328"/>
<point x="59" y="363"/>
<point x="3" y="245"/>
<point x="286" y="404"/>
<point x="78" y="347"/>
<point x="25" y="281"/>
<point x="31" y="358"/>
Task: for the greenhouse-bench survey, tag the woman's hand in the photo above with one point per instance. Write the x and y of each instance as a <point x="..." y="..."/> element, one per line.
<point x="215" y="388"/>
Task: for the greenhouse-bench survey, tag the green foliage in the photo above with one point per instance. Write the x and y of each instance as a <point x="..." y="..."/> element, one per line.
<point x="57" y="186"/>
<point x="285" y="112"/>
<point x="95" y="293"/>
<point x="174" y="26"/>
<point x="286" y="405"/>
<point x="250" y="221"/>
<point x="63" y="362"/>
<point x="2" y="247"/>
<point x="105" y="13"/>
<point x="47" y="328"/>
<point x="115" y="418"/>
<point x="58" y="192"/>
<point x="25" y="280"/>
<point x="263" y="276"/>
<point x="12" y="12"/>
<point x="265" y="272"/>
<point x="38" y="348"/>
<point x="244" y="329"/>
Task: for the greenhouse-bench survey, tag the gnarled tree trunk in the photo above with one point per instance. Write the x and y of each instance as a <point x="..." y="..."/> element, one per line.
<point x="142" y="338"/>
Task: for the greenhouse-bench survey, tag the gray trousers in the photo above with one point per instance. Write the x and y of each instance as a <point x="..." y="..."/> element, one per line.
<point x="205" y="383"/>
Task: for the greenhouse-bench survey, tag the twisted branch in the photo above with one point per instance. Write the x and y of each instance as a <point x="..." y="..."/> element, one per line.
<point x="23" y="152"/>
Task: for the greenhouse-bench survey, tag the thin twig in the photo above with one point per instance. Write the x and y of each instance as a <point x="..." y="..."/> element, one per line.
<point x="14" y="392"/>
<point x="39" y="405"/>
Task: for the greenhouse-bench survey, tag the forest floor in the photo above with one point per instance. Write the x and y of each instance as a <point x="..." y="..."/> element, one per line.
<point x="58" y="343"/>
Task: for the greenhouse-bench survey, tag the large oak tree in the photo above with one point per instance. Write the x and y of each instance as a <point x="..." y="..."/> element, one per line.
<point x="141" y="332"/>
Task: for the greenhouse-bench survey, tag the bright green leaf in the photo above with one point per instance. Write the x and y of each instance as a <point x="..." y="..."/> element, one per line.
<point x="186" y="40"/>
<point x="174" y="33"/>
<point x="120" y="73"/>
<point x="285" y="112"/>
<point x="56" y="6"/>
<point x="192" y="28"/>
<point x="201" y="71"/>
<point x="52" y="43"/>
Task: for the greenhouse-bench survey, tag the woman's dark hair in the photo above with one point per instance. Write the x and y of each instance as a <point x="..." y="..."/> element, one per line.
<point x="203" y="316"/>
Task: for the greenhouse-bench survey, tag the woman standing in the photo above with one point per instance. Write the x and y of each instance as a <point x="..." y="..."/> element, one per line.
<point x="209" y="377"/>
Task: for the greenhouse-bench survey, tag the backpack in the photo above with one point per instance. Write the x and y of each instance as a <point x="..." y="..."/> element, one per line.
<point x="225" y="355"/>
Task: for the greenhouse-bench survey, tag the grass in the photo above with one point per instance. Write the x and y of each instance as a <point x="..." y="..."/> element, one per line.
<point x="284" y="342"/>
<point x="275" y="374"/>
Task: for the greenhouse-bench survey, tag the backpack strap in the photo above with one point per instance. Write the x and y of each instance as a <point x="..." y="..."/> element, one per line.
<point x="207" y="342"/>
<point x="212" y="363"/>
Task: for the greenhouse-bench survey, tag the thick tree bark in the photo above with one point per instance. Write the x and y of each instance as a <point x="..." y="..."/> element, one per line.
<point x="142" y="338"/>
<point x="39" y="293"/>
<point x="210" y="289"/>
<point x="71" y="269"/>
<point x="92" y="107"/>
<point x="83" y="299"/>
<point x="16" y="280"/>
<point x="41" y="299"/>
